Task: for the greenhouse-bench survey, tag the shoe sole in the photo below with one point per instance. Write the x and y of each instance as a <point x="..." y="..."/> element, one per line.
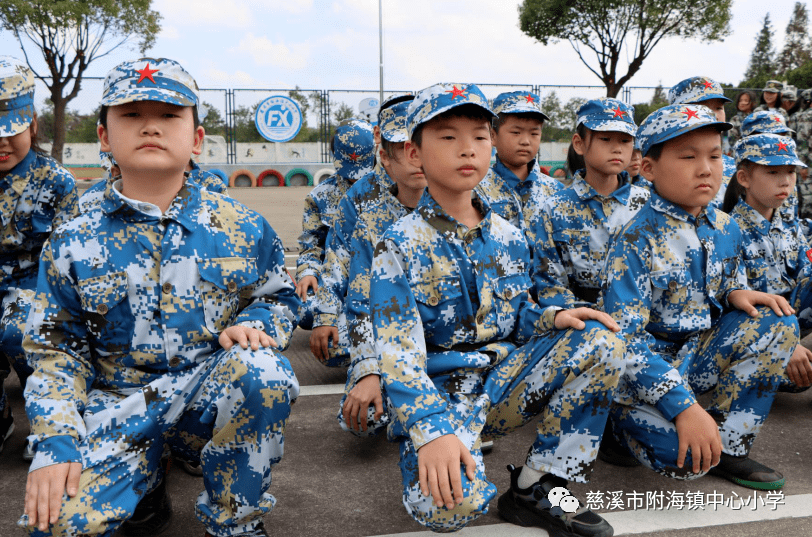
<point x="6" y="437"/>
<point x="757" y="485"/>
<point x="516" y="514"/>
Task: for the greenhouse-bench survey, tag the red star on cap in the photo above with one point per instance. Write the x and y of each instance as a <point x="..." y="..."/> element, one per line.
<point x="530" y="98"/>
<point x="353" y="156"/>
<point x="782" y="147"/>
<point x="708" y="85"/>
<point x="690" y="113"/>
<point x="778" y="120"/>
<point x="146" y="72"/>
<point x="618" y="112"/>
<point x="456" y="92"/>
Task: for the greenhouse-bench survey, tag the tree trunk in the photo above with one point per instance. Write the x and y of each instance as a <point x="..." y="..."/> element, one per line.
<point x="612" y="89"/>
<point x="60" y="104"/>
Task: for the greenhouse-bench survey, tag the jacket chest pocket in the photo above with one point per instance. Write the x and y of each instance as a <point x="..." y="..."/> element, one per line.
<point x="670" y="289"/>
<point x="226" y="285"/>
<point x="438" y="299"/>
<point x="507" y="292"/>
<point x="573" y="247"/>
<point x="106" y="311"/>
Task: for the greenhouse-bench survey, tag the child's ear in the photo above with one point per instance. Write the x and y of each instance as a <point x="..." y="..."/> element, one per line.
<point x="383" y="158"/>
<point x="578" y="144"/>
<point x="412" y="154"/>
<point x="647" y="168"/>
<point x="743" y="179"/>
<point x="200" y="133"/>
<point x="101" y="132"/>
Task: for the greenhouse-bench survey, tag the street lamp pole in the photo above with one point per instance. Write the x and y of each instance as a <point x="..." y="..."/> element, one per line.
<point x="380" y="43"/>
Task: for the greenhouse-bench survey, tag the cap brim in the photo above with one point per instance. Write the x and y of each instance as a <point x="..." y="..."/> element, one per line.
<point x="721" y="126"/>
<point x="523" y="110"/>
<point x="13" y="122"/>
<point x="152" y="94"/>
<point x="612" y="126"/>
<point x="711" y="97"/>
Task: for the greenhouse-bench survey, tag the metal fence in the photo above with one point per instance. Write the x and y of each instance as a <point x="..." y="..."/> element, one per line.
<point x="234" y="108"/>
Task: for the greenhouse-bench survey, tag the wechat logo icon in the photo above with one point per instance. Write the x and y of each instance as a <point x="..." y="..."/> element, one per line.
<point x="563" y="499"/>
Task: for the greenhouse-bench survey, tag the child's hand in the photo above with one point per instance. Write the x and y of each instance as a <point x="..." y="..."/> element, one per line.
<point x="366" y="391"/>
<point x="320" y="341"/>
<point x="698" y="431"/>
<point x="245" y="335"/>
<point x="306" y="283"/>
<point x="439" y="469"/>
<point x="575" y="318"/>
<point x="799" y="369"/>
<point x="747" y="301"/>
<point x="44" y="491"/>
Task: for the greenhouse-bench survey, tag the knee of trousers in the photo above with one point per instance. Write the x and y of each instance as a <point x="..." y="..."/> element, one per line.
<point x="443" y="520"/>
<point x="599" y="346"/>
<point x="262" y="369"/>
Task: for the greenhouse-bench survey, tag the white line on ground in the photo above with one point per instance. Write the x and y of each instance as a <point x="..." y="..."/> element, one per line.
<point x="324" y="389"/>
<point x="639" y="521"/>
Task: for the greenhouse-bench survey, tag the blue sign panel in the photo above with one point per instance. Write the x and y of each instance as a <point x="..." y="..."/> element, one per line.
<point x="278" y="119"/>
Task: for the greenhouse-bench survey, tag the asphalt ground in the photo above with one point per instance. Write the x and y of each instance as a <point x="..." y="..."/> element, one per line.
<point x="331" y="483"/>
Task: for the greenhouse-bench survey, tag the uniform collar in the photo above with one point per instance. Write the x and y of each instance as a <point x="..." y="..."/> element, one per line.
<point x="662" y="205"/>
<point x="18" y="175"/>
<point x="585" y="191"/>
<point x="180" y="210"/>
<point x="511" y="178"/>
<point x="443" y="222"/>
<point x="756" y="221"/>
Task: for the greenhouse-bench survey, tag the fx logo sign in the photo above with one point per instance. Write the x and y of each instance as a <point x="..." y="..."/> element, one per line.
<point x="278" y="119"/>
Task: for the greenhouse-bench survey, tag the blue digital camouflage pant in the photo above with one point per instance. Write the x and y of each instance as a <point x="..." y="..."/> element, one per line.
<point x="14" y="309"/>
<point x="230" y="411"/>
<point x="801" y="300"/>
<point x="567" y="377"/>
<point x="741" y="362"/>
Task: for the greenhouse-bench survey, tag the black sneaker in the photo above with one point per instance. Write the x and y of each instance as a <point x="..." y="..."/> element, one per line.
<point x="747" y="473"/>
<point x="6" y="426"/>
<point x="613" y="452"/>
<point x="530" y="507"/>
<point x="259" y="531"/>
<point x="152" y="514"/>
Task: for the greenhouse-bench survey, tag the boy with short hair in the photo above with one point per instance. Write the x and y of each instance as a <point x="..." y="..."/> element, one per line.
<point x="354" y="154"/>
<point x="516" y="134"/>
<point x="709" y="93"/>
<point x="156" y="316"/>
<point x="465" y="354"/>
<point x="674" y="284"/>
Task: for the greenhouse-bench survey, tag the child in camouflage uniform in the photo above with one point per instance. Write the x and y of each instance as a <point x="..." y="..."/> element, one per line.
<point x="354" y="154"/>
<point x="771" y="98"/>
<point x="516" y="134"/>
<point x="464" y="353"/>
<point x="775" y="248"/>
<point x="675" y="285"/>
<point x="37" y="195"/>
<point x="154" y="327"/>
<point x="709" y="93"/>
<point x="745" y="105"/>
<point x="569" y="232"/>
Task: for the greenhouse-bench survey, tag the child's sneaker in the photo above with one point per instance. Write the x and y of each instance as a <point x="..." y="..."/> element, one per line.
<point x="531" y="507"/>
<point x="747" y="473"/>
<point x="259" y="531"/>
<point x="28" y="452"/>
<point x="6" y="426"/>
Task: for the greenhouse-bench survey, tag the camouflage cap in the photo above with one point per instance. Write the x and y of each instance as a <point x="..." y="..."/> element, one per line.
<point x="150" y="79"/>
<point x="439" y="98"/>
<point x="766" y="122"/>
<point x="392" y="123"/>
<point x="789" y="93"/>
<point x="768" y="150"/>
<point x="806" y="95"/>
<point x="607" y="114"/>
<point x="675" y="120"/>
<point x="773" y="86"/>
<point x="518" y="102"/>
<point x="695" y="90"/>
<point x="16" y="96"/>
<point x="354" y="149"/>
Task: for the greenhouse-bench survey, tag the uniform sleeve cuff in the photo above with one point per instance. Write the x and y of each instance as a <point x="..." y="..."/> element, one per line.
<point x="55" y="450"/>
<point x="675" y="401"/>
<point x="430" y="428"/>
<point x="325" y="319"/>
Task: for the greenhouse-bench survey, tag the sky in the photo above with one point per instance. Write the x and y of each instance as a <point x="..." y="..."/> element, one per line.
<point x="333" y="44"/>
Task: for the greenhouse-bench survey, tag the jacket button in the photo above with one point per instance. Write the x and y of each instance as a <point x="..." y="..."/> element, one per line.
<point x="174" y="361"/>
<point x="508" y="294"/>
<point x="672" y="286"/>
<point x="167" y="287"/>
<point x="232" y="286"/>
<point x="480" y="318"/>
<point x="433" y="301"/>
<point x="102" y="309"/>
